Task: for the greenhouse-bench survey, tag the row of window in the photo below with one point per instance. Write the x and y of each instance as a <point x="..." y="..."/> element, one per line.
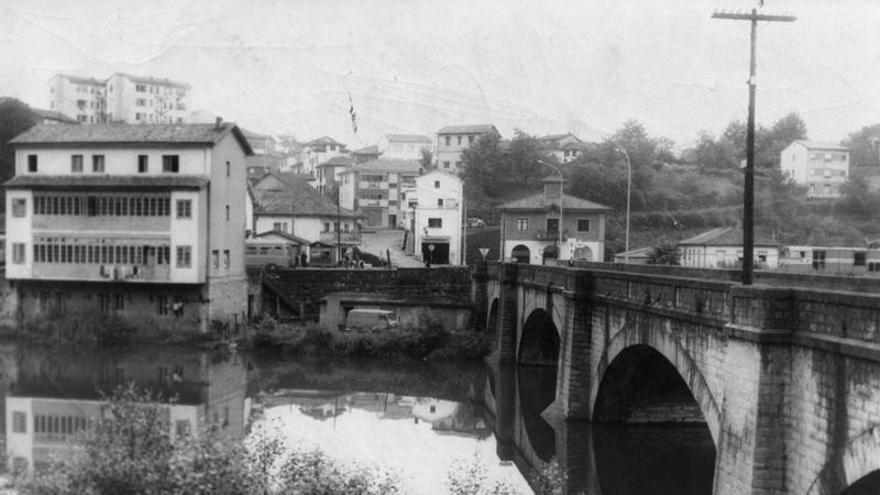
<point x="446" y="164"/>
<point x="103" y="205"/>
<point x="170" y="164"/>
<point x="470" y="139"/>
<point x="56" y="251"/>
<point x="583" y="225"/>
<point x="49" y="424"/>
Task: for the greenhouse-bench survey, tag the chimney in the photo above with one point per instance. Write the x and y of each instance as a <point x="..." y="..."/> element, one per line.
<point x="219" y="123"/>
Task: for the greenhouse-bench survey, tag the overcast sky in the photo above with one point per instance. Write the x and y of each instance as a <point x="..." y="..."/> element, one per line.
<point x="414" y="66"/>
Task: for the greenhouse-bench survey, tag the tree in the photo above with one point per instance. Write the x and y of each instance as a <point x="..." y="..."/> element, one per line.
<point x="15" y="118"/>
<point x="864" y="146"/>
<point x="493" y="173"/>
<point x="427" y="159"/>
<point x="665" y="253"/>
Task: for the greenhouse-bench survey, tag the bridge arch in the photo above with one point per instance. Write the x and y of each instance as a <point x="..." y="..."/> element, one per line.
<point x="664" y="356"/>
<point x="856" y="471"/>
<point x="539" y="343"/>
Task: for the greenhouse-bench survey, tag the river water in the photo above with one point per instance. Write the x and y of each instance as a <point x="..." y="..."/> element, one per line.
<point x="415" y="418"/>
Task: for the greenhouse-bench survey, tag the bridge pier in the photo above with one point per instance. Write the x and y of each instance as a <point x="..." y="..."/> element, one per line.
<point x="573" y="382"/>
<point x="505" y="345"/>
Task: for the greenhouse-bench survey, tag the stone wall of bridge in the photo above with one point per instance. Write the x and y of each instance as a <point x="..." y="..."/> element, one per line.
<point x="787" y="379"/>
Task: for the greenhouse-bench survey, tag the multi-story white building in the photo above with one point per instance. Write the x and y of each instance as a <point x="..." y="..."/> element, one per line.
<point x="120" y="98"/>
<point x="328" y="174"/>
<point x="318" y="151"/>
<point x="144" y="222"/>
<point x="453" y="140"/>
<point x="436" y="203"/>
<point x="374" y="189"/>
<point x="821" y="167"/>
<point x="403" y="146"/>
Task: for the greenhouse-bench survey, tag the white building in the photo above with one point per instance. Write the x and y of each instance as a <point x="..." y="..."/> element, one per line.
<point x="120" y="98"/>
<point x="318" y="151"/>
<point x="374" y="188"/>
<point x="453" y="140"/>
<point x="436" y="203"/>
<point x="723" y="248"/>
<point x="821" y="167"/>
<point x="403" y="146"/>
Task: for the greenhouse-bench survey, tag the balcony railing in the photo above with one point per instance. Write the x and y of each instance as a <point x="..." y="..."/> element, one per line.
<point x="551" y="235"/>
<point x="344" y="237"/>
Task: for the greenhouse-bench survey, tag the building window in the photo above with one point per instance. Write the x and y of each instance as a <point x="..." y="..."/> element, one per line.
<point x="141" y="102"/>
<point x="19" y="207"/>
<point x="227" y="169"/>
<point x="436" y="184"/>
<point x="471" y="139"/>
<point x="225" y="258"/>
<point x="227" y="213"/>
<point x="583" y="224"/>
<point x="458" y="164"/>
<point x="163" y="305"/>
<point x="76" y="164"/>
<point x="19" y="422"/>
<point x="522" y="224"/>
<point x="143" y="164"/>
<point x="184" y="256"/>
<point x="215" y="259"/>
<point x="140" y="88"/>
<point x="171" y="163"/>
<point x="448" y="140"/>
<point x="440" y="202"/>
<point x="459" y="139"/>
<point x="18" y="252"/>
<point x="435" y="223"/>
<point x="98" y="163"/>
<point x="32" y="163"/>
<point x="119" y="301"/>
<point x="445" y="164"/>
<point x="859" y="258"/>
<point x="184" y="208"/>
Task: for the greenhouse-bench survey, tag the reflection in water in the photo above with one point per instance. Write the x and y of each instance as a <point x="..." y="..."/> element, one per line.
<point x="412" y="416"/>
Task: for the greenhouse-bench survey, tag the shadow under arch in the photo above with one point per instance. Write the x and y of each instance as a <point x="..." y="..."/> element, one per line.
<point x="856" y="471"/>
<point x="537" y="390"/>
<point x="866" y="485"/>
<point x="539" y="344"/>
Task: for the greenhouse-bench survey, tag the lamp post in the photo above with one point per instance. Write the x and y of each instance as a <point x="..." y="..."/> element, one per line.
<point x="561" y="195"/>
<point x="628" y="194"/>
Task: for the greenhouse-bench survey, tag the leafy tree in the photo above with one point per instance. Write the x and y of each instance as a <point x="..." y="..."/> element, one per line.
<point x="493" y="173"/>
<point x="858" y="200"/>
<point x="864" y="146"/>
<point x="15" y="118"/>
<point x="427" y="159"/>
<point x="665" y="253"/>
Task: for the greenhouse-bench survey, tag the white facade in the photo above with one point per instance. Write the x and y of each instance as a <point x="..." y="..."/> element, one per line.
<point x="80" y="98"/>
<point x="822" y="167"/>
<point x="438" y="217"/>
<point x="318" y="151"/>
<point x="403" y="146"/>
<point x="726" y="256"/>
<point x="453" y="140"/>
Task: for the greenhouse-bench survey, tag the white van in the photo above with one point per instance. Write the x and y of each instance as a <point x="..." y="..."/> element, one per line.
<point x="370" y="319"/>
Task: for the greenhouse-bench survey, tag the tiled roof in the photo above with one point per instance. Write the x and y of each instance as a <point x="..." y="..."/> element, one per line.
<point x="818" y="145"/>
<point x="130" y="134"/>
<point x="323" y="141"/>
<point x="253" y="135"/>
<point x="337" y="161"/>
<point x="466" y="129"/>
<point x="540" y="202"/>
<point x="556" y="137"/>
<point x="388" y="165"/>
<point x="408" y="138"/>
<point x="36" y="181"/>
<point x="724" y="236"/>
<point x="53" y="115"/>
<point x="156" y="81"/>
<point x="297" y="199"/>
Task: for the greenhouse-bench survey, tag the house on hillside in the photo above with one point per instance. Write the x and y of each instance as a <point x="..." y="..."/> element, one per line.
<point x="453" y="140"/>
<point x="531" y="227"/>
<point x="262" y="144"/>
<point x="563" y="147"/>
<point x="366" y="154"/>
<point x="723" y="248"/>
<point x="143" y="222"/>
<point x="328" y="173"/>
<point x="403" y="146"/>
<point x="286" y="203"/>
<point x="822" y="167"/>
<point x="374" y="189"/>
<point x="318" y="151"/>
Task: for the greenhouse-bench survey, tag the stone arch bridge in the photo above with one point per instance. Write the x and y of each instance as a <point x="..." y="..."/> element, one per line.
<point x="786" y="379"/>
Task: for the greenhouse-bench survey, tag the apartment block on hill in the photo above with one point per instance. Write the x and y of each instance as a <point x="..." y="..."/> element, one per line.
<point x="453" y="140"/>
<point x="822" y="167"/>
<point x="374" y="189"/>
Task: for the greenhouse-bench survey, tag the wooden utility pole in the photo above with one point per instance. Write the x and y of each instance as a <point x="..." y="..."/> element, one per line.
<point x="749" y="193"/>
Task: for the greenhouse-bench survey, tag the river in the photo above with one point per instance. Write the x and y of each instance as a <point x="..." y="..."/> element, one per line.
<point x="415" y="418"/>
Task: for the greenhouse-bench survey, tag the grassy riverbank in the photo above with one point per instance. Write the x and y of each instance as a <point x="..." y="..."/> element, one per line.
<point x="431" y="341"/>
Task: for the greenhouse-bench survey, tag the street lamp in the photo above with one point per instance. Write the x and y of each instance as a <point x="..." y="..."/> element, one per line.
<point x="561" y="196"/>
<point x="628" y="191"/>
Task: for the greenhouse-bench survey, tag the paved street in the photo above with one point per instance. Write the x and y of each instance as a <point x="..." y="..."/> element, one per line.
<point x="377" y="242"/>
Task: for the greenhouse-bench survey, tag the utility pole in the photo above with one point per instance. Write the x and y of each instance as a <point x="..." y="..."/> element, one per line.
<point x="749" y="193"/>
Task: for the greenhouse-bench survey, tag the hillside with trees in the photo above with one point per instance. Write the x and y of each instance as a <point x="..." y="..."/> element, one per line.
<point x="673" y="198"/>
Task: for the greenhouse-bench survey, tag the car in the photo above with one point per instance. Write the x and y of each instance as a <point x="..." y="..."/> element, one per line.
<point x="475" y="222"/>
<point x="370" y="319"/>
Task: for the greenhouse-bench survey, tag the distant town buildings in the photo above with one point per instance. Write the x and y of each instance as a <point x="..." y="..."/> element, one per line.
<point x="563" y="147"/>
<point x="822" y="167"/>
<point x="120" y="98"/>
<point x="318" y="151"/>
<point x="403" y="146"/>
<point x="374" y="189"/>
<point x="139" y="221"/>
<point x="453" y="140"/>
<point x="531" y="227"/>
<point x="723" y="248"/>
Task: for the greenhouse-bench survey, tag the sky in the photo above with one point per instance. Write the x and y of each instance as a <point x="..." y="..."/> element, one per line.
<point x="545" y="67"/>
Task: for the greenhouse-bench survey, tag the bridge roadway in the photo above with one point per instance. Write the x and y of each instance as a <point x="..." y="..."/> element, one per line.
<point x="786" y="379"/>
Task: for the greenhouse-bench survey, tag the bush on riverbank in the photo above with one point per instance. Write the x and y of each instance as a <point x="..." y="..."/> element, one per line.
<point x="79" y="327"/>
<point x="431" y="341"/>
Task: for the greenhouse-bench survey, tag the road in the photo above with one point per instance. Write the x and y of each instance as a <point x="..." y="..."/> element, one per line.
<point x="377" y="242"/>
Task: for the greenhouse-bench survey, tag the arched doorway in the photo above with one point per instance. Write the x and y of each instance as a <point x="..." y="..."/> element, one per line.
<point x="550" y="254"/>
<point x="652" y="437"/>
<point x="521" y="254"/>
<point x="866" y="485"/>
<point x="539" y="345"/>
<point x="583" y="253"/>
